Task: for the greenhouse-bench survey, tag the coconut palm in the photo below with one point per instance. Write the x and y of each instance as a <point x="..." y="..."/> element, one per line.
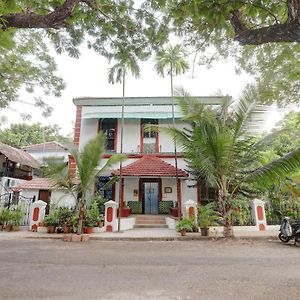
<point x="222" y="149"/>
<point x="172" y="62"/>
<point x="118" y="74"/>
<point x="88" y="163"/>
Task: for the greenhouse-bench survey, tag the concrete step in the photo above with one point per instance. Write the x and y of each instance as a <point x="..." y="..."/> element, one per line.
<point x="142" y="221"/>
<point x="150" y="226"/>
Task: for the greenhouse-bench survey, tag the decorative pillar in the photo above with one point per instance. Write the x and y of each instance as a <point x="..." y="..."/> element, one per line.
<point x="258" y="214"/>
<point x="111" y="219"/>
<point x="179" y="196"/>
<point x="37" y="214"/>
<point x="191" y="210"/>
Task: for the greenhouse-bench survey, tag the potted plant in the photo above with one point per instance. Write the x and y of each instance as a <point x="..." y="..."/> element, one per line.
<point x="51" y="221"/>
<point x="4" y="217"/>
<point x="184" y="225"/>
<point x="64" y="217"/>
<point x="15" y="218"/>
<point x="92" y="218"/>
<point x="207" y="217"/>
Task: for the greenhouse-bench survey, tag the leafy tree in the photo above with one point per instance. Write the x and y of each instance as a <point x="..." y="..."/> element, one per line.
<point x="262" y="36"/>
<point x="222" y="149"/>
<point x="105" y="26"/>
<point x="289" y="136"/>
<point x="21" y="135"/>
<point x="173" y="62"/>
<point x="87" y="162"/>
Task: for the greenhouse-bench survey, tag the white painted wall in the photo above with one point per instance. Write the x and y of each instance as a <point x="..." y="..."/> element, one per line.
<point x="130" y="184"/>
<point x="30" y="194"/>
<point x="41" y="155"/>
<point x="58" y="197"/>
<point x="131" y="139"/>
<point x="62" y="198"/>
<point x="89" y="129"/>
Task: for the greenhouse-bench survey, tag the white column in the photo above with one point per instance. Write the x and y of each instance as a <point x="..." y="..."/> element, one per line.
<point x="258" y="214"/>
<point x="190" y="210"/>
<point x="111" y="219"/>
<point x="37" y="214"/>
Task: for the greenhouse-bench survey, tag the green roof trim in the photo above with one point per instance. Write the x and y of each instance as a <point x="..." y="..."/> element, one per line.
<point x="132" y="115"/>
<point x="137" y="101"/>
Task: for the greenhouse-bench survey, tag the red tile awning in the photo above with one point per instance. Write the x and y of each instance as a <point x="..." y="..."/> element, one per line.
<point x="150" y="166"/>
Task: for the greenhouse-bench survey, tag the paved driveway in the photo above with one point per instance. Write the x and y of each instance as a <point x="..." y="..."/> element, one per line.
<point x="52" y="269"/>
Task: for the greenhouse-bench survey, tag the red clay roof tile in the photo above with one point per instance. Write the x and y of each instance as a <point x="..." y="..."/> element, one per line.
<point x="151" y="166"/>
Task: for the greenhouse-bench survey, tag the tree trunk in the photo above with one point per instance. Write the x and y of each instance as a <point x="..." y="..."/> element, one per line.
<point x="81" y="216"/>
<point x="228" y="229"/>
<point x="288" y="31"/>
<point x="55" y="19"/>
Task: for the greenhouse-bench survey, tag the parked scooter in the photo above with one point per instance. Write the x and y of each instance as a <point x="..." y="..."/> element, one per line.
<point x="289" y="231"/>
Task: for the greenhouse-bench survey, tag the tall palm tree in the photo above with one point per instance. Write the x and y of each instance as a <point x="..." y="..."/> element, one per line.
<point x="87" y="161"/>
<point x="223" y="150"/>
<point x="172" y="61"/>
<point x="118" y="74"/>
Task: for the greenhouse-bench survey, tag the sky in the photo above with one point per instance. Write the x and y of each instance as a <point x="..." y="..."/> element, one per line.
<point x="87" y="76"/>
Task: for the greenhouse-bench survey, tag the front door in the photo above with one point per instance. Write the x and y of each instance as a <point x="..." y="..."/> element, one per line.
<point x="150" y="201"/>
<point x="45" y="196"/>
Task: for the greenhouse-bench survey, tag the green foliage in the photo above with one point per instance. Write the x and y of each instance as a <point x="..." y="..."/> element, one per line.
<point x="26" y="64"/>
<point x="52" y="219"/>
<point x="16" y="216"/>
<point x="184" y="224"/>
<point x="92" y="217"/>
<point x="5" y="215"/>
<point x="64" y="215"/>
<point x="133" y="29"/>
<point x="223" y="149"/>
<point x="241" y="211"/>
<point x="172" y="60"/>
<point x="22" y="135"/>
<point x="208" y="215"/>
<point x="87" y="162"/>
<point x="206" y="26"/>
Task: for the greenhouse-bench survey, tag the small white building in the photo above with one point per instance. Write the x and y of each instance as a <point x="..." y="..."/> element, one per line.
<point x="44" y="151"/>
<point x="149" y="183"/>
<point x="45" y="189"/>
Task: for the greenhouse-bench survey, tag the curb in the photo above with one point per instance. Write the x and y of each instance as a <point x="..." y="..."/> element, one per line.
<point x="161" y="239"/>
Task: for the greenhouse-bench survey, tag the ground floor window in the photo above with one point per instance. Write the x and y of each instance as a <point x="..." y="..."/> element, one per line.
<point x="104" y="190"/>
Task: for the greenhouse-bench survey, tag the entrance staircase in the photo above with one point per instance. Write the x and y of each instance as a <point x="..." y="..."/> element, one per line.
<point x="150" y="221"/>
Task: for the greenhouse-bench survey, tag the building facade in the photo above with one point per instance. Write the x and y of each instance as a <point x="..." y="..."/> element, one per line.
<point x="151" y="184"/>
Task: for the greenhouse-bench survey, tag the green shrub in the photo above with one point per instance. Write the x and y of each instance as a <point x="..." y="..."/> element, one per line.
<point x="52" y="219"/>
<point x="16" y="216"/>
<point x="64" y="215"/>
<point x="92" y="217"/>
<point x="184" y="224"/>
<point x="208" y="215"/>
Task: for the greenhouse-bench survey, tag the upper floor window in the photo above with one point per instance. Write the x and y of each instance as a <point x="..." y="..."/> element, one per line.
<point x="149" y="132"/>
<point x="109" y="128"/>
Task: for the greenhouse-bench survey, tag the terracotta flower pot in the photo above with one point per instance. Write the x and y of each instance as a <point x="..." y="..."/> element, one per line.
<point x="204" y="231"/>
<point x="8" y="227"/>
<point x="66" y="229"/>
<point x="88" y="230"/>
<point x="183" y="232"/>
<point x="51" y="229"/>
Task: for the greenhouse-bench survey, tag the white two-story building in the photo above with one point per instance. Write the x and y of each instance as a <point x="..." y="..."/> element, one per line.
<point x="149" y="175"/>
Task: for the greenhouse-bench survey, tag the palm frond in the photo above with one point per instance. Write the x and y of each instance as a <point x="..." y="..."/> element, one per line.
<point x="276" y="169"/>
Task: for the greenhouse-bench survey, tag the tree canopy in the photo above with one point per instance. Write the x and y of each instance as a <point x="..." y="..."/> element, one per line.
<point x="108" y="27"/>
<point x="21" y="135"/>
<point x="262" y="36"/>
